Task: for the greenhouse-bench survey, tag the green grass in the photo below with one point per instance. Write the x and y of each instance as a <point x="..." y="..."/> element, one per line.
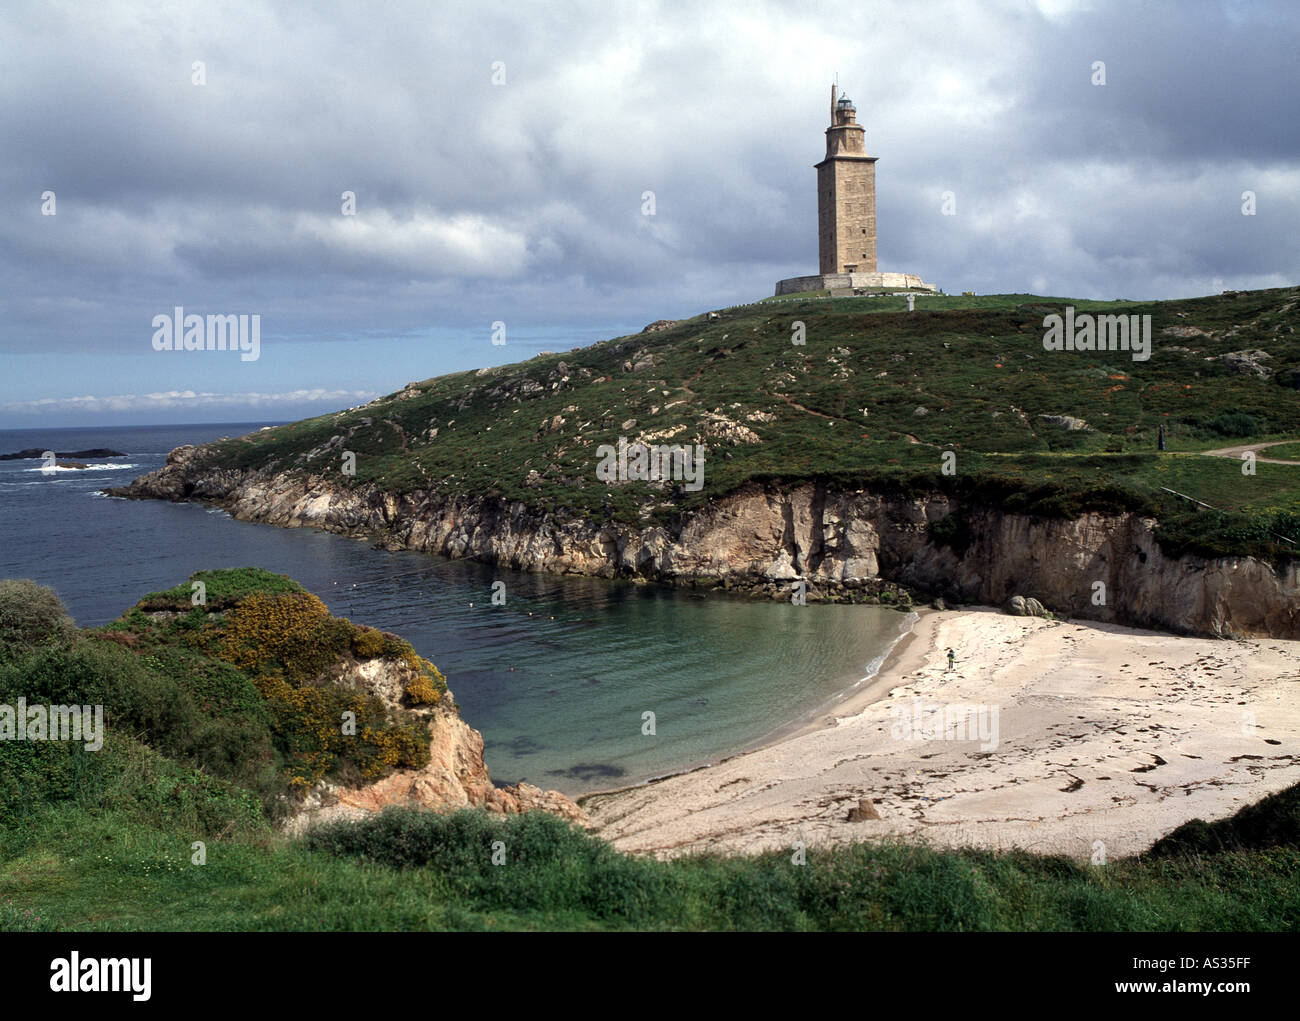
<point x="222" y="589"/>
<point x="975" y="364"/>
<point x="77" y="869"/>
<point x="1286" y="451"/>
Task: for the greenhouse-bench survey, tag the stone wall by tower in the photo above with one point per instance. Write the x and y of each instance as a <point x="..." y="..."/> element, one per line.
<point x="854" y="282"/>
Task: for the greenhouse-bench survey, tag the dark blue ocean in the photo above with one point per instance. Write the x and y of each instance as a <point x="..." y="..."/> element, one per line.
<point x="557" y="680"/>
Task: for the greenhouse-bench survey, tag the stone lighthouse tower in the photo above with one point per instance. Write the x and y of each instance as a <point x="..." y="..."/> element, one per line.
<point x="846" y="195"/>
<point x="846" y="218"/>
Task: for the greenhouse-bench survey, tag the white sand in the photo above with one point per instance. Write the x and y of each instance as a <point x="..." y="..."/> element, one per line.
<point x="1105" y="734"/>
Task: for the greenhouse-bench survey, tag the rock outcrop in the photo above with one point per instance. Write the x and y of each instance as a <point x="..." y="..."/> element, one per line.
<point x="1019" y="606"/>
<point x="456" y="775"/>
<point x="760" y="539"/>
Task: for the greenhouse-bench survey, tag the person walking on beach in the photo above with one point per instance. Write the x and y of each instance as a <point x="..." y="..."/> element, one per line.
<point x="952" y="658"/>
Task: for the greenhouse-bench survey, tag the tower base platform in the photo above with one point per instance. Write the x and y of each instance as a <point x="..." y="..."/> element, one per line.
<point x="847" y="284"/>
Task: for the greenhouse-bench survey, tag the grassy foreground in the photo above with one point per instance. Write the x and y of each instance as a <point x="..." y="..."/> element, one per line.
<point x="78" y="869"/>
<point x="170" y="825"/>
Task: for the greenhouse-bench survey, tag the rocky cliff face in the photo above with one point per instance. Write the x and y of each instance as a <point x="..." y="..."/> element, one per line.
<point x="1100" y="567"/>
<point x="455" y="777"/>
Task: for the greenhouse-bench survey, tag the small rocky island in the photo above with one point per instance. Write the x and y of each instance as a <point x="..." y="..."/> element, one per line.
<point x="36" y="453"/>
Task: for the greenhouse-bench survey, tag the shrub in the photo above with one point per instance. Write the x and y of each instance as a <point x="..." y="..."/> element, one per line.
<point x="1235" y="423"/>
<point x="36" y="773"/>
<point x="367" y="643"/>
<point x="421" y="690"/>
<point x="548" y="863"/>
<point x="308" y="729"/>
<point x="31" y="615"/>
<point x="1214" y="534"/>
<point x="148" y="704"/>
<point x="166" y="793"/>
<point x="246" y="696"/>
<point x="292" y="633"/>
<point x="431" y="685"/>
<point x="1289" y="377"/>
<point x="1287" y="524"/>
<point x="135" y="698"/>
<point x="288" y="641"/>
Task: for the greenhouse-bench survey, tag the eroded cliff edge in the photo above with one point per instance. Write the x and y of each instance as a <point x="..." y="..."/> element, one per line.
<point x="456" y="775"/>
<point x="761" y="538"/>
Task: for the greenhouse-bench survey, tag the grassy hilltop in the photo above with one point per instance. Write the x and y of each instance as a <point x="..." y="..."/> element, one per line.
<point x="213" y="713"/>
<point x="874" y="396"/>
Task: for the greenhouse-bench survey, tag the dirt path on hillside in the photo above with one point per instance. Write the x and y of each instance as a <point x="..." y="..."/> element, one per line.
<point x="1236" y="452"/>
<point x="799" y="407"/>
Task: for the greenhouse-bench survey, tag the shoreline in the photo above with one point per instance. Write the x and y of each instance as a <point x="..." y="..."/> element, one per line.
<point x="1110" y="737"/>
<point x="871" y="689"/>
<point x="861" y="692"/>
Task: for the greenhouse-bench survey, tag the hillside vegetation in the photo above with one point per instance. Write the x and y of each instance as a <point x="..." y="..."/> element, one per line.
<point x="171" y="825"/>
<point x="874" y="396"/>
<point x="223" y="707"/>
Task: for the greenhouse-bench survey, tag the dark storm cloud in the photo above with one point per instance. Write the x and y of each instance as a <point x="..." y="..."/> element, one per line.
<point x="522" y="202"/>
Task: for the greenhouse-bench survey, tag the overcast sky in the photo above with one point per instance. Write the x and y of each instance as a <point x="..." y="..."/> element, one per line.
<point x="522" y="201"/>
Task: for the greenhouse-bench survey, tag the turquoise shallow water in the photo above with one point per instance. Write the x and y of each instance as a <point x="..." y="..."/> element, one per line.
<point x="561" y="695"/>
<point x="558" y="679"/>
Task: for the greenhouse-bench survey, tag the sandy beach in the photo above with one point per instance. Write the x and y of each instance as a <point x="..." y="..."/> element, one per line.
<point x="1091" y="733"/>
